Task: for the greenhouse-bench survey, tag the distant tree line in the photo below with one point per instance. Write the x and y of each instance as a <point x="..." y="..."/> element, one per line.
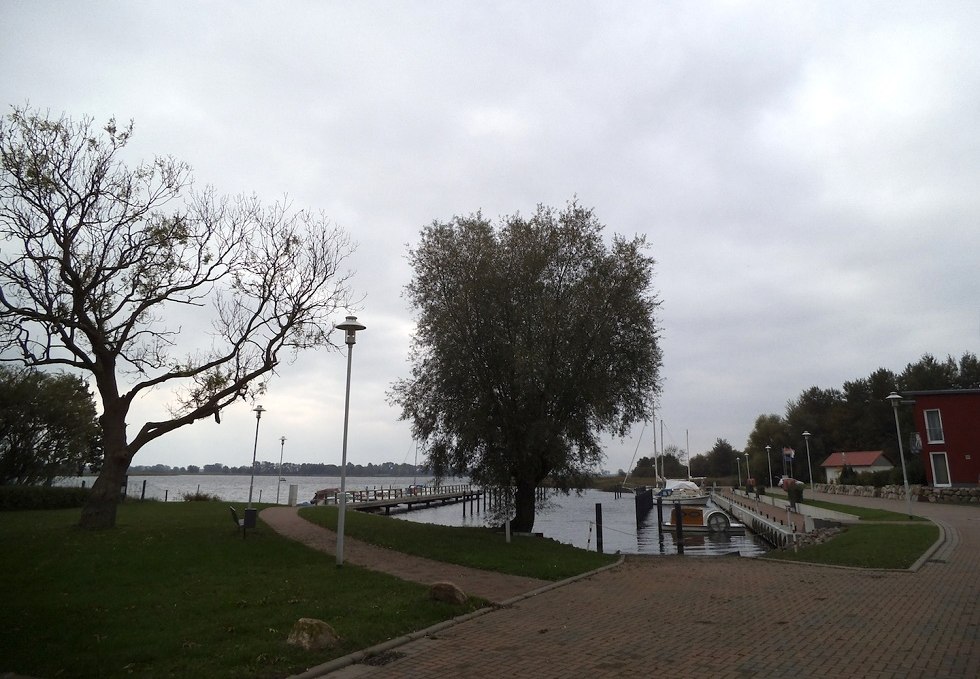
<point x="854" y="417"/>
<point x="265" y="468"/>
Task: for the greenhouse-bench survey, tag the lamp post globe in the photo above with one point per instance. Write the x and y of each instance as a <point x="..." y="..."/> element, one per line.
<point x="350" y="327"/>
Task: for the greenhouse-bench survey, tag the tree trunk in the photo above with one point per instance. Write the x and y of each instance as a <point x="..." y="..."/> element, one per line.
<point x="524" y="507"/>
<point x="100" y="510"/>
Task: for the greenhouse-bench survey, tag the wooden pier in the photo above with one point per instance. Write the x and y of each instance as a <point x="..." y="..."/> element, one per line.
<point x="412" y="497"/>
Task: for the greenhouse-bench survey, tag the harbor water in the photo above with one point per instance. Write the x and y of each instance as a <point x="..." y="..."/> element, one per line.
<point x="570" y="519"/>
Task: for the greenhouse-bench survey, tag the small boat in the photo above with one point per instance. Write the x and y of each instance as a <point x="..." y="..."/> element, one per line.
<point x="703" y="520"/>
<point x="685" y="492"/>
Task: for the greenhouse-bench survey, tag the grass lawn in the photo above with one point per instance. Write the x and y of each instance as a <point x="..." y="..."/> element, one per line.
<point x="476" y="547"/>
<point x="174" y="591"/>
<point x="874" y="545"/>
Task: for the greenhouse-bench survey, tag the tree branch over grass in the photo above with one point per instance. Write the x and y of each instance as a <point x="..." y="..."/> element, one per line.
<point x="104" y="258"/>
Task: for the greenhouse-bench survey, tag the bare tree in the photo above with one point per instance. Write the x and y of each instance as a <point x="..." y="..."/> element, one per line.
<point x="100" y="260"/>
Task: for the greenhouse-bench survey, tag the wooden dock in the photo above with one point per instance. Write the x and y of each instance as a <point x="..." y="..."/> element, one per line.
<point x="413" y="497"/>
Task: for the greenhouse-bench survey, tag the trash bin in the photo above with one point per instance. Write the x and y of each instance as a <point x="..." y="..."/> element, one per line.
<point x="251" y="517"/>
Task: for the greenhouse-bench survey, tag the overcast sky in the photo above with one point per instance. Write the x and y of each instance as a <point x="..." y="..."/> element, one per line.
<point x="808" y="173"/>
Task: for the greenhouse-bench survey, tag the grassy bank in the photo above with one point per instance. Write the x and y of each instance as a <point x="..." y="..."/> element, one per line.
<point x="876" y="545"/>
<point x="475" y="547"/>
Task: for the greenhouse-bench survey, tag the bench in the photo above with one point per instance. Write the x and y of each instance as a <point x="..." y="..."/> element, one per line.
<point x="240" y="523"/>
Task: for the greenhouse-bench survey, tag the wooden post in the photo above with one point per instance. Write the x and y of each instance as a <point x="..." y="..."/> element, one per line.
<point x="679" y="514"/>
<point x="598" y="527"/>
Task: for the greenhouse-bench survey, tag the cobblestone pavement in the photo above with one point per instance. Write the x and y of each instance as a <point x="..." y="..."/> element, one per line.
<point x="727" y="617"/>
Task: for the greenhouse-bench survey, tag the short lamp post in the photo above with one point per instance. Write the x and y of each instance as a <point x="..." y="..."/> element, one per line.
<point x="251" y="483"/>
<point x="806" y="437"/>
<point x="350" y="328"/>
<point x="282" y="448"/>
<point x="895" y="400"/>
<point x="769" y="460"/>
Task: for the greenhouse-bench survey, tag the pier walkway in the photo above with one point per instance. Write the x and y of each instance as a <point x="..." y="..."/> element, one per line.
<point x="685" y="616"/>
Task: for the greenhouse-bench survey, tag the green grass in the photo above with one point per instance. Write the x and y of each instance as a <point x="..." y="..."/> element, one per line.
<point x="868" y="546"/>
<point x="475" y="547"/>
<point x="174" y="591"/>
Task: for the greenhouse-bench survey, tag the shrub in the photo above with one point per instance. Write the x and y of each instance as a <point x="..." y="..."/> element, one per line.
<point x="198" y="496"/>
<point x="41" y="497"/>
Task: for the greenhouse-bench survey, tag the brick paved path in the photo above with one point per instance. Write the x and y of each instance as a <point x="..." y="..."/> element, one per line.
<point x="728" y="617"/>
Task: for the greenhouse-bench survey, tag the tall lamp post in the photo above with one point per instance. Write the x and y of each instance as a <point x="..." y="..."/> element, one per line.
<point x="895" y="399"/>
<point x="747" y="474"/>
<point x="251" y="483"/>
<point x="769" y="460"/>
<point x="282" y="448"/>
<point x="806" y="437"/>
<point x="738" y="463"/>
<point x="350" y="328"/>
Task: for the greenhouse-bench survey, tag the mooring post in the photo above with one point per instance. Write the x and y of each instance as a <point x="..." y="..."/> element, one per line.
<point x="679" y="517"/>
<point x="143" y="492"/>
<point x="598" y="527"/>
<point x="660" y="518"/>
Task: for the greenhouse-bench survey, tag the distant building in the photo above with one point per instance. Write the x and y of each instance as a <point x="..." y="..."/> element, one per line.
<point x="947" y="435"/>
<point x="858" y="460"/>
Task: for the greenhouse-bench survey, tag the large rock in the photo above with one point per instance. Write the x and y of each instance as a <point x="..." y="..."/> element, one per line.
<point x="312" y="635"/>
<point x="447" y="592"/>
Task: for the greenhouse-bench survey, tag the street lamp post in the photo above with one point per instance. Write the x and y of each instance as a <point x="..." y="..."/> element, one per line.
<point x="806" y="437"/>
<point x="769" y="460"/>
<point x="747" y="474"/>
<point x="251" y="483"/>
<point x="738" y="463"/>
<point x="350" y="328"/>
<point x="282" y="447"/>
<point x="895" y="399"/>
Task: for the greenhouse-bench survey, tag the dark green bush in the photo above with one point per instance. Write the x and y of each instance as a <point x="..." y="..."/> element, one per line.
<point x="41" y="497"/>
<point x="199" y="497"/>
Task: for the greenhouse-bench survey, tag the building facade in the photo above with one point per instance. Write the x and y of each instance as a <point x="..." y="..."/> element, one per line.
<point x="858" y="460"/>
<point x="947" y="424"/>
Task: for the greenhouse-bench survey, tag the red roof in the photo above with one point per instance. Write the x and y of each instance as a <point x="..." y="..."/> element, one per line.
<point x="856" y="458"/>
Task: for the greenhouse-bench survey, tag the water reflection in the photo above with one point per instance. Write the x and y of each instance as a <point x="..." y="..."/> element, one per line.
<point x="572" y="519"/>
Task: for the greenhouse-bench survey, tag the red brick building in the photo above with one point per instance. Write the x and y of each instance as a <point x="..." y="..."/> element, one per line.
<point x="948" y="427"/>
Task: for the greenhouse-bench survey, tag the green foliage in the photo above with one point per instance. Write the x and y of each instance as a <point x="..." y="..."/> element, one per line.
<point x="533" y="338"/>
<point x="41" y="497"/>
<point x="198" y="496"/>
<point x="856" y="416"/>
<point x="48" y="427"/>
<point x="174" y="591"/>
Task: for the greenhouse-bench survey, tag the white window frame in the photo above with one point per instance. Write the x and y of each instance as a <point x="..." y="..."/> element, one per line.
<point x="935" y="457"/>
<point x="930" y="431"/>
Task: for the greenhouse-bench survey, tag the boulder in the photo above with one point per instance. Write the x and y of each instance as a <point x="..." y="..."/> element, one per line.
<point x="447" y="592"/>
<point x="312" y="635"/>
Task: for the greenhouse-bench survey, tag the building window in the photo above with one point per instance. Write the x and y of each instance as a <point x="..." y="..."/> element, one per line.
<point x="934" y="427"/>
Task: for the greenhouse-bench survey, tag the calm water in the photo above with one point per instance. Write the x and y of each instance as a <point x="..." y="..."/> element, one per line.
<point x="569" y="519"/>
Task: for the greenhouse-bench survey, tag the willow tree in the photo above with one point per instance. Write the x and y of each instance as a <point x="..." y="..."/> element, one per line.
<point x="105" y="265"/>
<point x="534" y="338"/>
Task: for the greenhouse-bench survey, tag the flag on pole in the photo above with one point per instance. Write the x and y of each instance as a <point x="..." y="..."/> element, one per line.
<point x="788" y="453"/>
